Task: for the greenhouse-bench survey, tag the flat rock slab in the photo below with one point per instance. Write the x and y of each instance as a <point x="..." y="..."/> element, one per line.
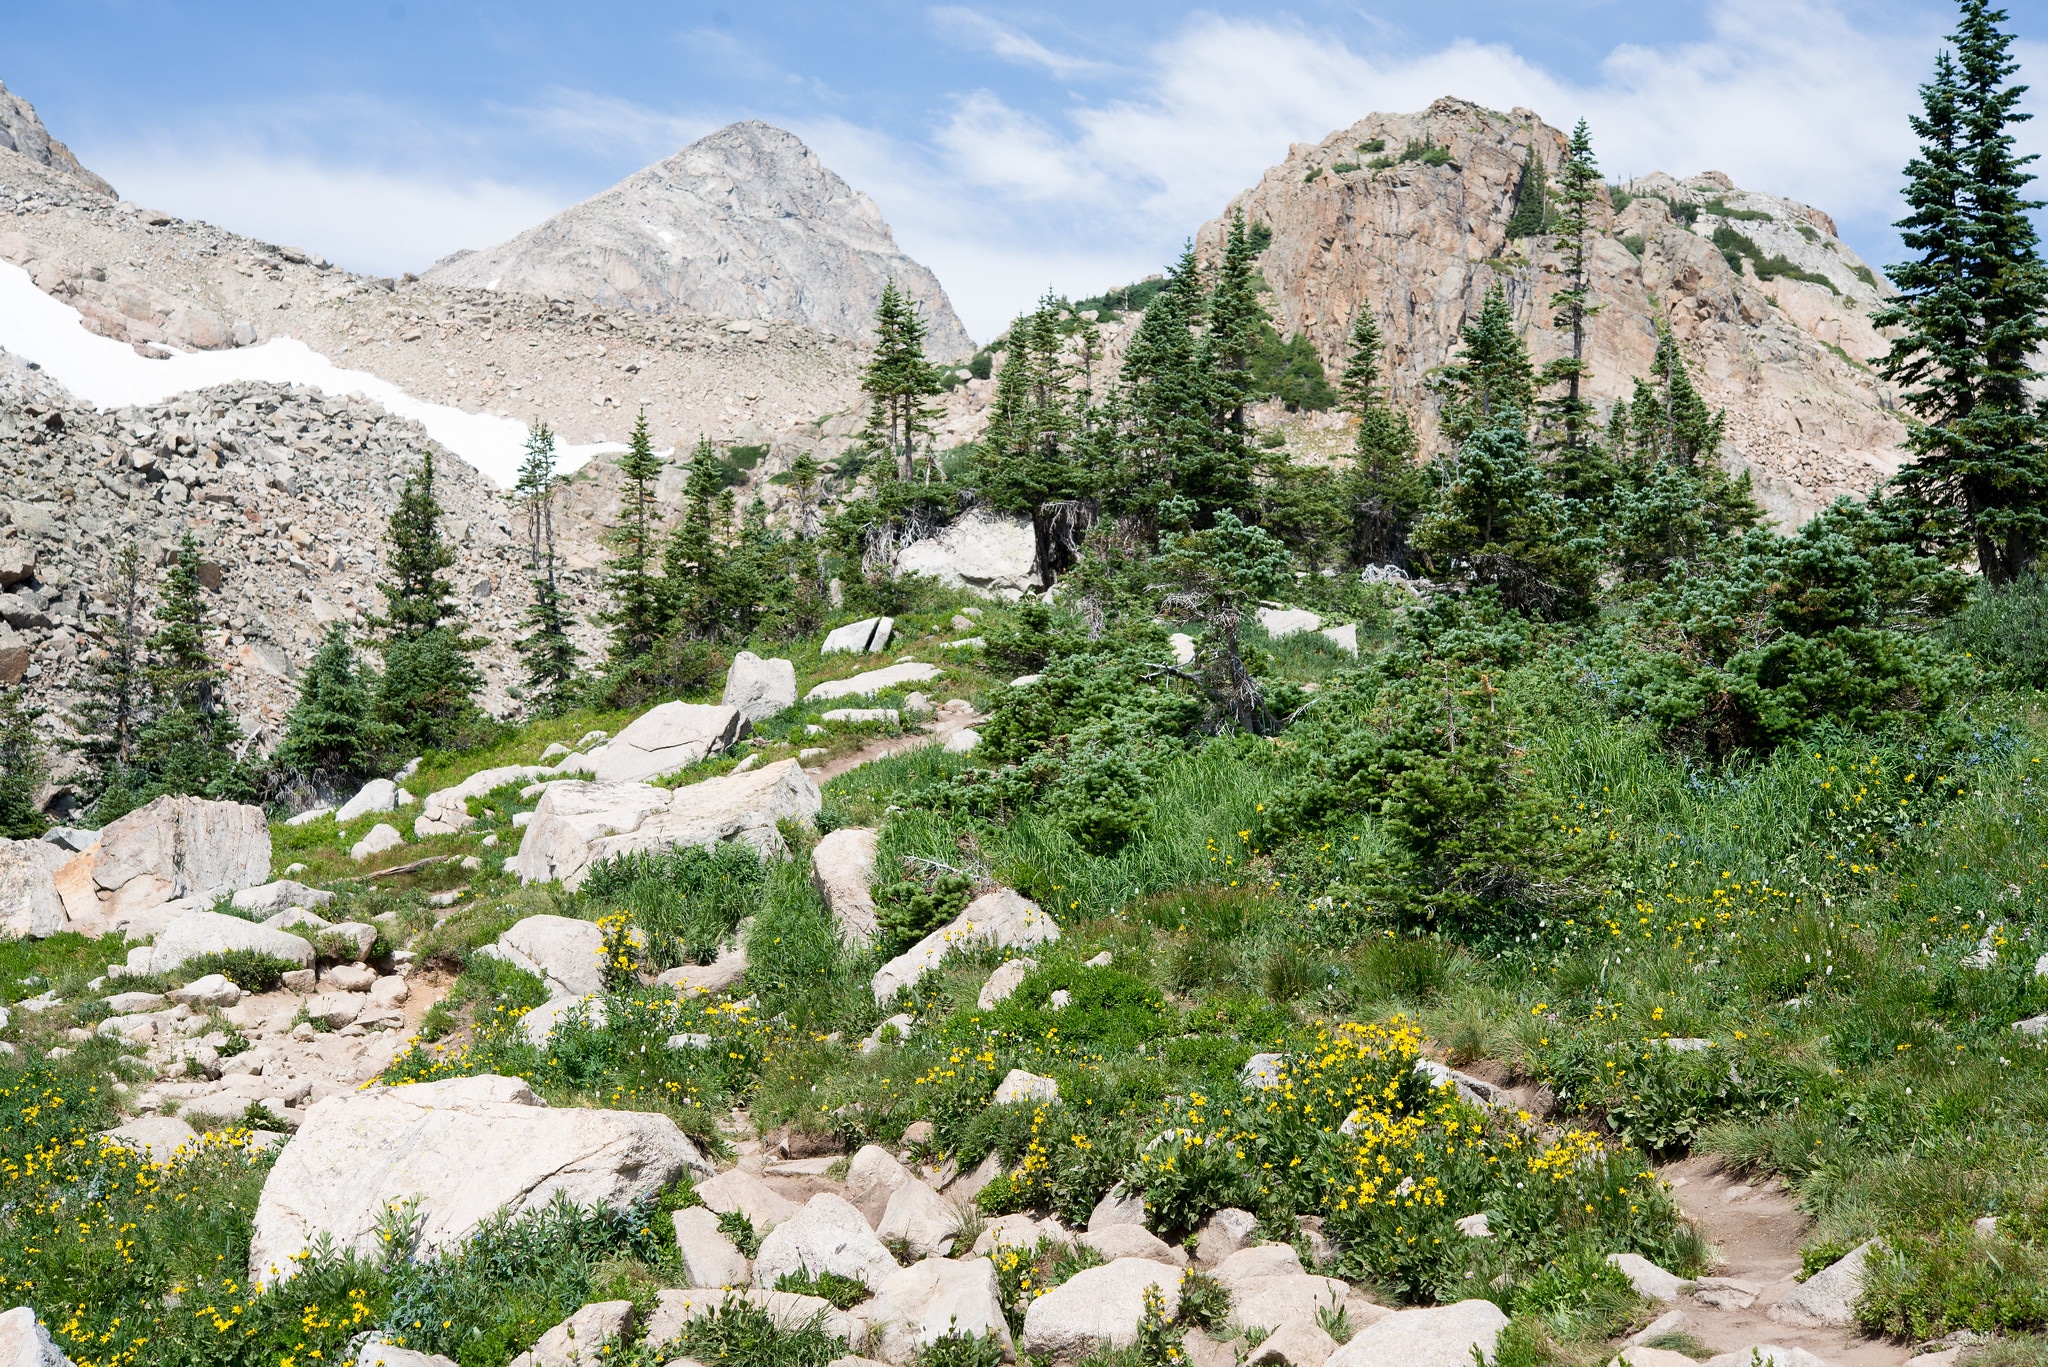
<point x="875" y="680"/>
<point x="827" y="1235"/>
<point x="864" y="637"/>
<point x="1097" y="1306"/>
<point x="199" y="933"/>
<point x="1441" y="1336"/>
<point x="463" y="1149"/>
<point x="1003" y="919"/>
<point x="667" y="739"/>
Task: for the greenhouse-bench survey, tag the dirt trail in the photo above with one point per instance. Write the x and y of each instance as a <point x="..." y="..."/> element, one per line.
<point x="1758" y="1231"/>
<point x="953" y="715"/>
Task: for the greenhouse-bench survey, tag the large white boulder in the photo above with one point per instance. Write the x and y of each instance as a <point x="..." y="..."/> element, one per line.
<point x="933" y="1298"/>
<point x="875" y="680"/>
<point x="563" y="952"/>
<point x="1100" y="1305"/>
<point x="1828" y="1298"/>
<point x="378" y="795"/>
<point x="925" y="1221"/>
<point x="1440" y="1336"/>
<point x="666" y="739"/>
<point x="991" y="552"/>
<point x="29" y="905"/>
<point x="842" y="866"/>
<point x="25" y="1343"/>
<point x="199" y="933"/>
<point x="864" y="637"/>
<point x="759" y="688"/>
<point x="176" y="847"/>
<point x="446" y="810"/>
<point x="709" y="1256"/>
<point x="379" y="838"/>
<point x="1269" y="1302"/>
<point x="588" y="1338"/>
<point x="827" y="1235"/>
<point x="1280" y="622"/>
<point x="872" y="1178"/>
<point x="539" y="1025"/>
<point x="268" y="899"/>
<point x="577" y="824"/>
<point x="462" y="1149"/>
<point x="1261" y="1260"/>
<point x="1019" y="1085"/>
<point x="739" y="1192"/>
<point x="1001" y="918"/>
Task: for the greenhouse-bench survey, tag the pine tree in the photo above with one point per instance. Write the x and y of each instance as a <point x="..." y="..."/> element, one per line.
<point x="898" y="381"/>
<point x="1384" y="488"/>
<point x="187" y="743"/>
<point x="1495" y="523"/>
<point x="1971" y="309"/>
<point x="690" y="559"/>
<point x="1490" y="383"/>
<point x="1690" y="432"/>
<point x="549" y="654"/>
<point x="1532" y="199"/>
<point x="1028" y="462"/>
<point x="636" y="616"/>
<point x="427" y="692"/>
<point x="22" y="770"/>
<point x="806" y="489"/>
<point x="111" y="708"/>
<point x="1237" y="326"/>
<point x="1569" y="415"/>
<point x="1167" y="396"/>
<point x="332" y="735"/>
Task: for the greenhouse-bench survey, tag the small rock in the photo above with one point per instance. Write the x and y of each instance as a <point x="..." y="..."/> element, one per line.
<point x="1440" y="1336"/>
<point x="1004" y="981"/>
<point x="1133" y="1241"/>
<point x="1476" y="1227"/>
<point x="873" y="1177"/>
<point x="211" y="990"/>
<point x="1301" y="1343"/>
<point x="1827" y="1299"/>
<point x="709" y="1256"/>
<point x="1650" y="1281"/>
<point x="1118" y="1208"/>
<point x="349" y="978"/>
<point x="585" y="1339"/>
<point x="1022" y="1086"/>
<point x="739" y="1191"/>
<point x="382" y="836"/>
<point x="1224" y="1233"/>
<point x="1261" y="1072"/>
<point x="924" y="1220"/>
<point x="1102" y="960"/>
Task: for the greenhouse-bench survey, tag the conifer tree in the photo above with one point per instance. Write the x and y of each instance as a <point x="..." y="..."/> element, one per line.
<point x="23" y="770"/>
<point x="332" y="734"/>
<point x="1532" y="198"/>
<point x="1384" y="488"/>
<point x="1490" y="383"/>
<point x="187" y="743"/>
<point x="636" y="616"/>
<point x="1028" y="462"/>
<point x="111" y="708"/>
<point x="1237" y="326"/>
<point x="426" y="694"/>
<point x="1971" y="309"/>
<point x="549" y="654"/>
<point x="898" y="382"/>
<point x="806" y="488"/>
<point x="1167" y="396"/>
<point x="1495" y="523"/>
<point x="690" y="558"/>
<point x="1570" y="416"/>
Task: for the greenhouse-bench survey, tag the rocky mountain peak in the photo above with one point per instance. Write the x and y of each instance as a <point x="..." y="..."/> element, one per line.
<point x="22" y="131"/>
<point x="746" y="222"/>
<point x="1407" y="214"/>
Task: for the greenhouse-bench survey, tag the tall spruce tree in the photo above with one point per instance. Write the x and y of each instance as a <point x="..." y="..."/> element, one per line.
<point x="899" y="382"/>
<point x="1532" y="198"/>
<point x="806" y="490"/>
<point x="1490" y="383"/>
<point x="427" y="692"/>
<point x="636" y="616"/>
<point x="1971" y="309"/>
<point x="1575" y="465"/>
<point x="111" y="707"/>
<point x="1028" y="460"/>
<point x="23" y="769"/>
<point x="1384" y="488"/>
<point x="187" y="744"/>
<point x="332" y="736"/>
<point x="550" y="656"/>
<point x="691" y="558"/>
<point x="1237" y="326"/>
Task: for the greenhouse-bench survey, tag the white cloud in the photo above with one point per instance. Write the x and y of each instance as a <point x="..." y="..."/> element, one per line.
<point x="974" y="29"/>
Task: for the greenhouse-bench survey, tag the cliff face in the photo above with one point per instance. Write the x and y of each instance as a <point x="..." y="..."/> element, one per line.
<point x="743" y="223"/>
<point x="1420" y="244"/>
<point x="21" y="131"/>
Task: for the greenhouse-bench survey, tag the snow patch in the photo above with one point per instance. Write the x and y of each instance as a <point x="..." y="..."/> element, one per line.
<point x="110" y="374"/>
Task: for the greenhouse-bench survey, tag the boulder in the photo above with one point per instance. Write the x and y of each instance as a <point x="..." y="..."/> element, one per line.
<point x="25" y="1343"/>
<point x="1301" y="1343"/>
<point x="199" y="933"/>
<point x="307" y="818"/>
<point x="128" y="1003"/>
<point x="347" y="940"/>
<point x="157" y="1137"/>
<point x="863" y="716"/>
<point x="1440" y="1336"/>
<point x="989" y="552"/>
<point x="1019" y="1085"/>
<point x="335" y="1009"/>
<point x="709" y="1256"/>
<point x="211" y="990"/>
<point x="933" y="1298"/>
<point x="379" y="838"/>
<point x="1225" y="1232"/>
<point x="585" y="1339"/>
<point x="176" y="847"/>
<point x="1828" y="1298"/>
<point x="1261" y="1260"/>
<point x="740" y="1191"/>
<point x="350" y="977"/>
<point x="1002" y="919"/>
<point x="1097" y="1306"/>
<point x="1269" y="1302"/>
<point x="378" y="795"/>
<point x="538" y="1025"/>
<point x="1117" y="1208"/>
<point x="925" y="1221"/>
<point x="758" y="689"/>
<point x="378" y="1353"/>
<point x="666" y="739"/>
<point x="842" y="866"/>
<point x="1345" y="638"/>
<point x="875" y="680"/>
<point x="1183" y="647"/>
<point x="827" y="1235"/>
<point x="872" y="1178"/>
<point x="297" y="918"/>
<point x="563" y="952"/>
<point x="1007" y="1231"/>
<point x="389" y="992"/>
<point x="577" y="824"/>
<point x="1133" y="1241"/>
<point x="446" y="810"/>
<point x="463" y="1148"/>
<point x="1004" y="981"/>
<point x="30" y="907"/>
<point x="1650" y="1281"/>
<point x="701" y="979"/>
<point x="267" y="899"/>
<point x="1282" y="622"/>
<point x="864" y="637"/>
<point x="963" y="741"/>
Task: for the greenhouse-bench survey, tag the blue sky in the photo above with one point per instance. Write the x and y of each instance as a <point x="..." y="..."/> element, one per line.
<point x="1012" y="148"/>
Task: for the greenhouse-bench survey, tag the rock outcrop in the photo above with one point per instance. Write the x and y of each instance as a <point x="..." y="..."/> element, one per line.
<point x="1419" y="239"/>
<point x="462" y="1149"/>
<point x="175" y="849"/>
<point x="745" y="222"/>
<point x="842" y="866"/>
<point x="1003" y="919"/>
<point x="982" y="550"/>
<point x="22" y="131"/>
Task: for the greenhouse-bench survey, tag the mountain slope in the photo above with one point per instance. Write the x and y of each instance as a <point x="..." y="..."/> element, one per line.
<point x="1421" y="240"/>
<point x="745" y="222"/>
<point x="22" y="131"/>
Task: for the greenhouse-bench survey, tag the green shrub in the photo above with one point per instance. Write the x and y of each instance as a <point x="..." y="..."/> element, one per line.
<point x="737" y="1227"/>
<point x="1343" y="168"/>
<point x="844" y="1292"/>
<point x="685" y="902"/>
<point x="245" y="968"/>
<point x="961" y="1350"/>
<point x="911" y="908"/>
<point x="2005" y="630"/>
<point x="1578" y="1294"/>
<point x="741" y="1334"/>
